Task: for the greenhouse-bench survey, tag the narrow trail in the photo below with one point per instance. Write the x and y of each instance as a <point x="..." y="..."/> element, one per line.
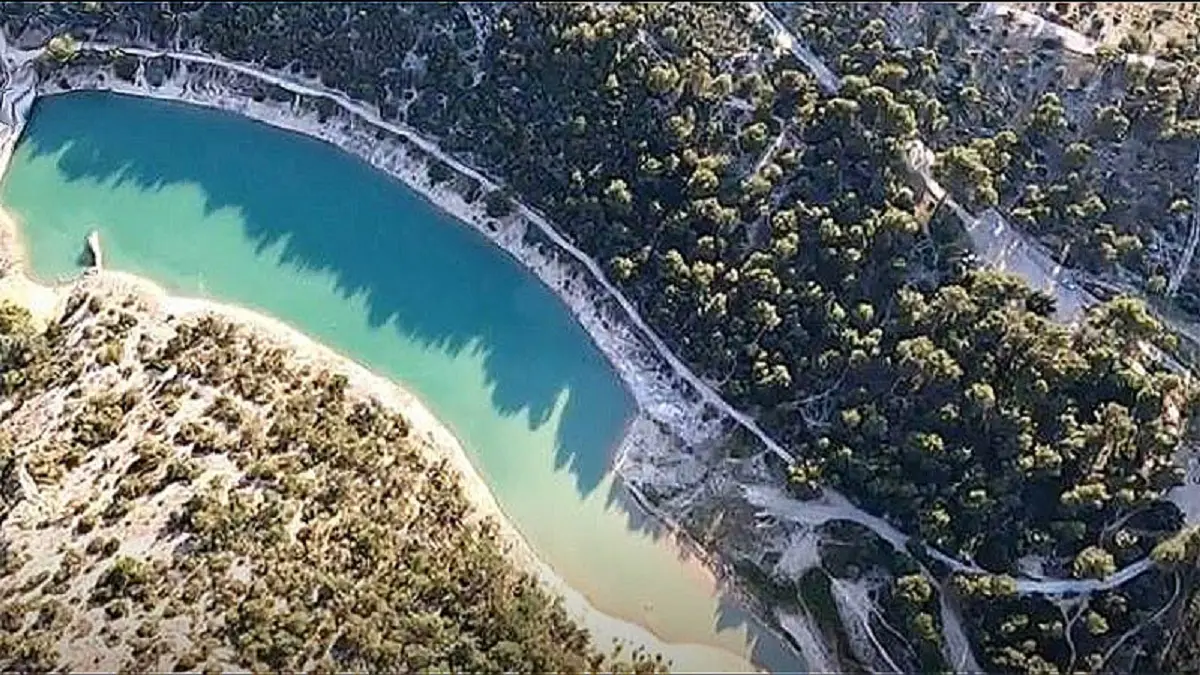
<point x="1185" y="263"/>
<point x="856" y="609"/>
<point x="784" y="39"/>
<point x="812" y="644"/>
<point x="770" y="150"/>
<point x="831" y="507"/>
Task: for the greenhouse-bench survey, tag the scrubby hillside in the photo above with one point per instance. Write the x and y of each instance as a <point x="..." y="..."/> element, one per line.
<point x="182" y="493"/>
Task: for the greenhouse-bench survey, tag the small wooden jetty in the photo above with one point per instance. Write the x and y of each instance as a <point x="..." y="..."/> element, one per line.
<point x="93" y="243"/>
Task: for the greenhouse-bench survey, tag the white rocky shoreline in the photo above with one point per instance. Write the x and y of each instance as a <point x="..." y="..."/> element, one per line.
<point x="667" y="443"/>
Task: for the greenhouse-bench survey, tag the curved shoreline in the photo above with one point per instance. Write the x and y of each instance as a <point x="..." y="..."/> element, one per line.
<point x="664" y="395"/>
<point x="45" y="300"/>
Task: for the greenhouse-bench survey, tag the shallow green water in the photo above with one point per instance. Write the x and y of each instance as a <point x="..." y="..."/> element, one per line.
<point x="207" y="203"/>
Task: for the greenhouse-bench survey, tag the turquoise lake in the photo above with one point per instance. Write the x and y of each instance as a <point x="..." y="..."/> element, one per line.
<point x="210" y="204"/>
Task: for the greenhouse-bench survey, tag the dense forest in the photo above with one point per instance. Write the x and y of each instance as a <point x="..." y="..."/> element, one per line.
<point x="1094" y="155"/>
<point x="773" y="234"/>
<point x="284" y="482"/>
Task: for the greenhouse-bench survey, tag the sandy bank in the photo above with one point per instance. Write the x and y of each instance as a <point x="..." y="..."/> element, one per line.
<point x="604" y="628"/>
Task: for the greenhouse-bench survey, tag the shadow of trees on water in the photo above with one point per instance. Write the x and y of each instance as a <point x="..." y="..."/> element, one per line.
<point x="436" y="283"/>
<point x="432" y="280"/>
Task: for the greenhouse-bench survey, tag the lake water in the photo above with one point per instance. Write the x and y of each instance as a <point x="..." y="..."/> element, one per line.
<point x="211" y="204"/>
